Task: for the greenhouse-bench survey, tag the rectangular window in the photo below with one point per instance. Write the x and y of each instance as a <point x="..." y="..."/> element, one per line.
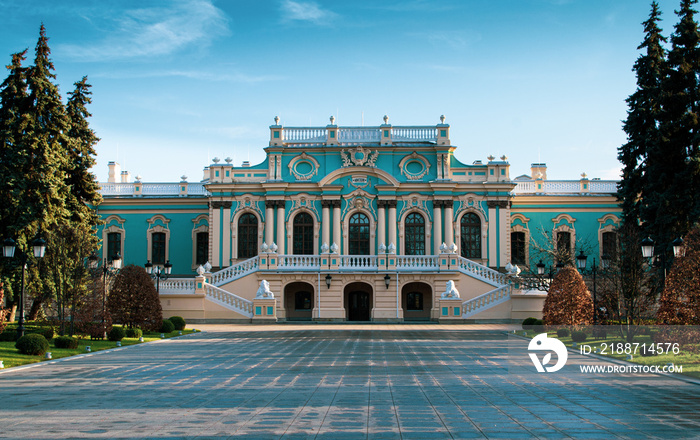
<point x="114" y="245"/>
<point x="202" y="248"/>
<point x="610" y="245"/>
<point x="158" y="247"/>
<point x="564" y="247"/>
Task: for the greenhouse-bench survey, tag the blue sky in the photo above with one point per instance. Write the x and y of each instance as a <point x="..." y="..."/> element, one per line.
<point x="176" y="83"/>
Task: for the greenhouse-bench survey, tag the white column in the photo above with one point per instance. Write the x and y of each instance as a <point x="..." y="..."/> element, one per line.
<point x="336" y="223"/>
<point x="269" y="222"/>
<point x="381" y="224"/>
<point x="449" y="229"/>
<point x="280" y="228"/>
<point x="437" y="226"/>
<point x="392" y="225"/>
<point x="215" y="227"/>
<point x="325" y="223"/>
<point x="226" y="233"/>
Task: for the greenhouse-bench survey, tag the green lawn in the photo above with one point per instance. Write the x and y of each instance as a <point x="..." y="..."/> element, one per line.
<point x="12" y="358"/>
<point x="688" y="360"/>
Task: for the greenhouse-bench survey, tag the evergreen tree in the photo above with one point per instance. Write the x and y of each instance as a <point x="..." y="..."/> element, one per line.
<point x="643" y="118"/>
<point x="680" y="301"/>
<point x="670" y="203"/>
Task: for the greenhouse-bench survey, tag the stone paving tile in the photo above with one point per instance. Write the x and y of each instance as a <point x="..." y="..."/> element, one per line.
<point x="337" y="382"/>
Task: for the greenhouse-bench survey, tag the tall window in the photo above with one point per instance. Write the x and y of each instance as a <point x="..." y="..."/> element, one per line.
<point x="470" y="229"/>
<point x="610" y="245"/>
<point x="202" y="248"/>
<point x="564" y="247"/>
<point x="303" y="234"/>
<point x="247" y="236"/>
<point x="158" y="247"/>
<point x="414" y="301"/>
<point x="114" y="245"/>
<point x="517" y="247"/>
<point x="359" y="235"/>
<point x="415" y="234"/>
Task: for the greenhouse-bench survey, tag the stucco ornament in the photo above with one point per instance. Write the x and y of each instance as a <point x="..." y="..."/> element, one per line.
<point x="264" y="291"/>
<point x="334" y="248"/>
<point x="207" y="267"/>
<point x="391" y="249"/>
<point x="382" y="248"/>
<point x="453" y="248"/>
<point x="273" y="247"/>
<point x="324" y="248"/>
<point x="358" y="157"/>
<point x="200" y="270"/>
<point x="264" y="247"/>
<point x="443" y="248"/>
<point x="451" y="291"/>
<point x="512" y="270"/>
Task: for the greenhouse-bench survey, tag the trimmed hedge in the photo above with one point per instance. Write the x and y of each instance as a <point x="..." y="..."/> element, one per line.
<point x="528" y="323"/>
<point x="32" y="344"/>
<point x="538" y="326"/>
<point x="65" y="342"/>
<point x="563" y="332"/>
<point x="167" y="326"/>
<point x="116" y="334"/>
<point x="578" y="336"/>
<point x="134" y="332"/>
<point x="178" y="322"/>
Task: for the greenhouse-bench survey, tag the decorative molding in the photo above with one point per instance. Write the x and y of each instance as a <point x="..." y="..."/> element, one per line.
<point x="303" y="158"/>
<point x="306" y="202"/>
<point x="418" y="158"/>
<point x="415" y="202"/>
<point x="358" y="157"/>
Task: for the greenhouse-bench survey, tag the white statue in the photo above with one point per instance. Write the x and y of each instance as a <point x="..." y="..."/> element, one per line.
<point x="324" y="248"/>
<point x="453" y="248"/>
<point x="264" y="291"/>
<point x="382" y="248"/>
<point x="512" y="270"/>
<point x="207" y="267"/>
<point x="334" y="248"/>
<point x="273" y="247"/>
<point x="391" y="249"/>
<point x="200" y="270"/>
<point x="451" y="291"/>
<point x="443" y="248"/>
<point x="264" y="247"/>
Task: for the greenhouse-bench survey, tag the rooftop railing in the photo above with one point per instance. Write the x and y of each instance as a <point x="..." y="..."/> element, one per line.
<point x="565" y="187"/>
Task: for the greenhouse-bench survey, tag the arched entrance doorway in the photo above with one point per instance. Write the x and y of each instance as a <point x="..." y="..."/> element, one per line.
<point x="298" y="301"/>
<point x="416" y="300"/>
<point x="358" y="302"/>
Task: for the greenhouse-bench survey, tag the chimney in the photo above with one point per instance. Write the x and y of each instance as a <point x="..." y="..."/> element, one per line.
<point x="539" y="168"/>
<point x="126" y="177"/>
<point x="114" y="171"/>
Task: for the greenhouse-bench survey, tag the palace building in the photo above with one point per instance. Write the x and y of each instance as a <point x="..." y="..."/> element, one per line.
<point x="339" y="223"/>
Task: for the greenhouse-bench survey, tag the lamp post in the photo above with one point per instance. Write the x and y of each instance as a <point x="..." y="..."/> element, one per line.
<point x="648" y="252"/>
<point x="111" y="265"/>
<point x="9" y="250"/>
<point x="158" y="273"/>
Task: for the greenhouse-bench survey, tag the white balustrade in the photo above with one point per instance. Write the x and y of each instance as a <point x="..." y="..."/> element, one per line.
<point x="116" y="189"/>
<point x="229" y="300"/>
<point x="417" y="262"/>
<point x="358" y="262"/>
<point x="487" y="300"/>
<point x="359" y="134"/>
<point x="197" y="189"/>
<point x="414" y="134"/>
<point x="565" y="187"/>
<point x="160" y="189"/>
<point x="234" y="272"/>
<point x="603" y="186"/>
<point x="525" y="187"/>
<point x="303" y="134"/>
<point x="177" y="285"/>
<point x="482" y="272"/>
<point x="299" y="262"/>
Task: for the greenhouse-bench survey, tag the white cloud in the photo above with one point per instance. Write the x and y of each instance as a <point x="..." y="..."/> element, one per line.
<point x="154" y="31"/>
<point x="306" y="11"/>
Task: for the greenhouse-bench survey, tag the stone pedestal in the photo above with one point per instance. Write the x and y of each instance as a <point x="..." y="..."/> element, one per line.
<point x="444" y="261"/>
<point x="450" y="310"/>
<point x="264" y="310"/>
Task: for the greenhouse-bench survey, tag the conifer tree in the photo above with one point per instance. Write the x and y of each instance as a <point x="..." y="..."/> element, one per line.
<point x="643" y="118"/>
<point x="670" y="203"/>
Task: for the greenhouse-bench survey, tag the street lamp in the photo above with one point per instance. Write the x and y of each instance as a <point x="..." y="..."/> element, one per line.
<point x="110" y="266"/>
<point x="648" y="252"/>
<point x="158" y="273"/>
<point x="387" y="280"/>
<point x="9" y="250"/>
<point x="581" y="260"/>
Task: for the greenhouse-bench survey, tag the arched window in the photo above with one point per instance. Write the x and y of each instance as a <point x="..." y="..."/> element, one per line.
<point x="470" y="231"/>
<point x="303" y="234"/>
<point x="517" y="247"/>
<point x="247" y="236"/>
<point x="610" y="245"/>
<point x="415" y="234"/>
<point x="158" y="247"/>
<point x="564" y="254"/>
<point x="359" y="235"/>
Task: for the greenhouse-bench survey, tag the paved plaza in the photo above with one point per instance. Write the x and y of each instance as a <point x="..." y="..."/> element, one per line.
<point x="338" y="382"/>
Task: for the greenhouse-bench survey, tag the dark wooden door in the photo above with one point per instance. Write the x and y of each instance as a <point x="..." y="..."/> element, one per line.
<point x="359" y="306"/>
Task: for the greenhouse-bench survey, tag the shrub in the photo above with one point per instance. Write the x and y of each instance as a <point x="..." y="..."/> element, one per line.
<point x="167" y="326"/>
<point x="599" y="332"/>
<point x="133" y="300"/>
<point x="578" y="336"/>
<point x="178" y="322"/>
<point x="528" y="323"/>
<point x="32" y="344"/>
<point x="563" y="332"/>
<point x="568" y="301"/>
<point x="65" y="342"/>
<point x="538" y="326"/>
<point x="116" y="334"/>
<point x="46" y="332"/>
<point x="679" y="303"/>
<point x="134" y="332"/>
